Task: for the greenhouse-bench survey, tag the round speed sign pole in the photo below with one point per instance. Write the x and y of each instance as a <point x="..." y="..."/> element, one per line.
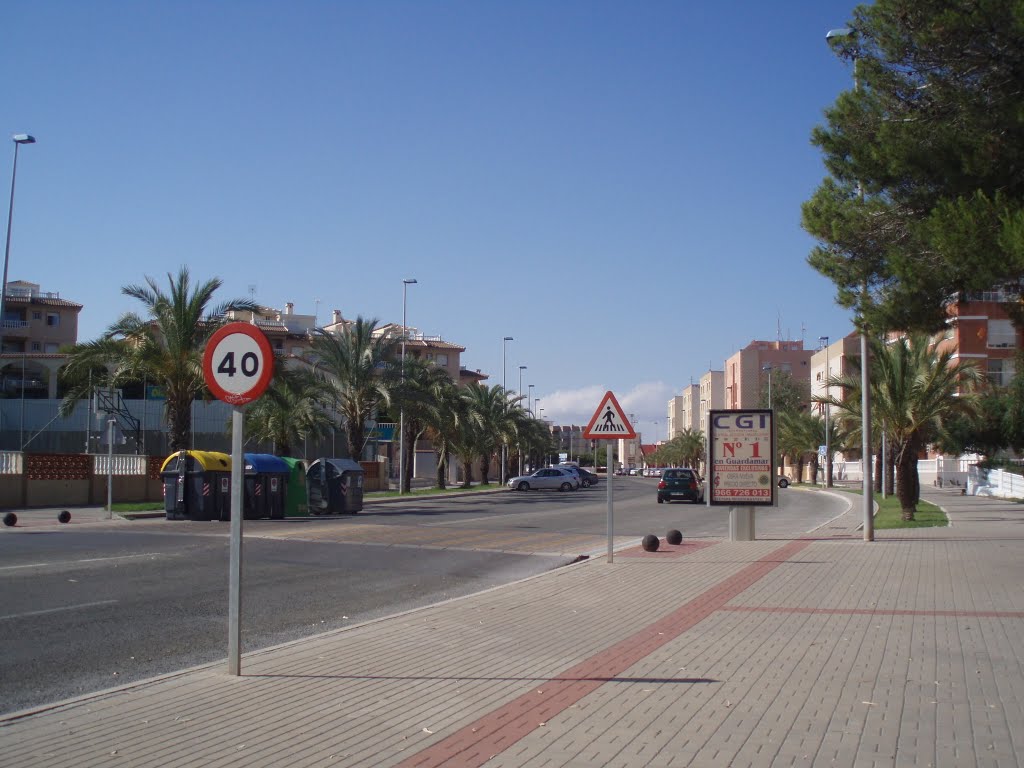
<point x="238" y="364"/>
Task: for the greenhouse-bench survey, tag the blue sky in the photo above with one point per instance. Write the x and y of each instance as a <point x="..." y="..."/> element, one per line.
<point x="616" y="185"/>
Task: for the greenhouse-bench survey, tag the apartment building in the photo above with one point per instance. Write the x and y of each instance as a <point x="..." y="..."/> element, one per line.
<point x="832" y="360"/>
<point x="683" y="411"/>
<point x="979" y="329"/>
<point x="747" y="371"/>
<point x="712" y="397"/>
<point x="36" y="325"/>
<point x="291" y="334"/>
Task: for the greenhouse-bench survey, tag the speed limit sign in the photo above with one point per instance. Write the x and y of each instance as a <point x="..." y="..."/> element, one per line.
<point x="238" y="363"/>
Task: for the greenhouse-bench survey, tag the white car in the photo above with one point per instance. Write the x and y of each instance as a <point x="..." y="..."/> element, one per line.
<point x="549" y="478"/>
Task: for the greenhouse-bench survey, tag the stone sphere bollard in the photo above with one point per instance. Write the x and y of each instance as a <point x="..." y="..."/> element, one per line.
<point x="650" y="543"/>
<point x="674" y="537"/>
<point x="64" y="516"/>
<point x="10" y="519"/>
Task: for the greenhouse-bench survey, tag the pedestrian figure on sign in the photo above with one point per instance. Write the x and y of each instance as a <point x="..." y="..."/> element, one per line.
<point x="609" y="420"/>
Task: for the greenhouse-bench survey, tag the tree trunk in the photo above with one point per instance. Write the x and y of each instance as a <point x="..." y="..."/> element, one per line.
<point x="908" y="487"/>
<point x="876" y="480"/>
<point x="442" y="470"/>
<point x="890" y="469"/>
<point x="179" y="416"/>
<point x="485" y="462"/>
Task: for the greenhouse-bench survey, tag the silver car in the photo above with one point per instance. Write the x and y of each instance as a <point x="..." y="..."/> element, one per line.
<point x="549" y="478"/>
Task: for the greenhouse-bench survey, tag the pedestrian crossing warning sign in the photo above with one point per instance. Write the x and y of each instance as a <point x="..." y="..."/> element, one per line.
<point x="609" y="422"/>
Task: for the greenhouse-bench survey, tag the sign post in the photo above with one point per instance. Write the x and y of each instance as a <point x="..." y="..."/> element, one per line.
<point x="741" y="466"/>
<point x="609" y="423"/>
<point x="238" y="364"/>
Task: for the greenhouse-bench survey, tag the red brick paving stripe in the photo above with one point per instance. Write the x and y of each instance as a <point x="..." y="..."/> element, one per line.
<point x="495" y="732"/>
<point x="666" y="551"/>
<point x="877" y="612"/>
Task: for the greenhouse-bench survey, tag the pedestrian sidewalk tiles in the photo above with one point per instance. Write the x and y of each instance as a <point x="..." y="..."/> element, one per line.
<point x="816" y="651"/>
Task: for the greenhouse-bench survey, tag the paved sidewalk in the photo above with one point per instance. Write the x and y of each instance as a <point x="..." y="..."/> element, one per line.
<point x="820" y="651"/>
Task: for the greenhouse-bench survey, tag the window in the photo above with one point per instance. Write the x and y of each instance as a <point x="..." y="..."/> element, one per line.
<point x="1001" y="334"/>
<point x="37" y="315"/>
<point x="36" y="346"/>
<point x="52" y="348"/>
<point x="1000" y="372"/>
<point x="442" y="359"/>
<point x="52" y="319"/>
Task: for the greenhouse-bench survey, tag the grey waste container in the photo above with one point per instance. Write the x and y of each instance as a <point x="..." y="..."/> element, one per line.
<point x="334" y="487"/>
<point x="197" y="485"/>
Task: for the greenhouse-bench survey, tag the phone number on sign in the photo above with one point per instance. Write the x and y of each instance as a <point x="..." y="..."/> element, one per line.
<point x="746" y="493"/>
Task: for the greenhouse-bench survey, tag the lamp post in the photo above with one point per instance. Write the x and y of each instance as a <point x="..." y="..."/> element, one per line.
<point x="19" y="139"/>
<point x="769" y="369"/>
<point x="529" y="398"/>
<point x="865" y="377"/>
<point x="828" y="452"/>
<point x="519" y="392"/>
<point x="504" y="446"/>
<point x="401" y="411"/>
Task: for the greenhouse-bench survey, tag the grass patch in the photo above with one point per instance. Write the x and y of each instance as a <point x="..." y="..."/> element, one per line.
<point x="142" y="506"/>
<point x="927" y="516"/>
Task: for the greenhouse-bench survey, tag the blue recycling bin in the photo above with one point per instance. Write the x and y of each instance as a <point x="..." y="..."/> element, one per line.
<point x="266" y="486"/>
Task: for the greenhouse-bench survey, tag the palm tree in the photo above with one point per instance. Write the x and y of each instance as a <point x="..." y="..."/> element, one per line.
<point x="916" y="389"/>
<point x="444" y="423"/>
<point x="166" y="347"/>
<point x="358" y="365"/>
<point x="418" y="394"/>
<point x="799" y="435"/>
<point x="293" y="409"/>
<point x="490" y="420"/>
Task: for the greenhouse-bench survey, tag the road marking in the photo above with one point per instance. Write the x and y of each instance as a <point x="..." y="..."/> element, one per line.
<point x="76" y="562"/>
<point x="56" y="610"/>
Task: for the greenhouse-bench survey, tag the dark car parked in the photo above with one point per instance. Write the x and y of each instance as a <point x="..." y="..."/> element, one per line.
<point x="680" y="485"/>
<point x="587" y="478"/>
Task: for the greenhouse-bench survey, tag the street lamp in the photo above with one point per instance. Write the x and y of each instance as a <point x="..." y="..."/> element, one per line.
<point x="19" y="139"/>
<point x="504" y="446"/>
<point x="865" y="378"/>
<point x="529" y="398"/>
<point x="828" y="453"/>
<point x="536" y="400"/>
<point x="401" y="411"/>
<point x="519" y="392"/>
<point x="769" y="369"/>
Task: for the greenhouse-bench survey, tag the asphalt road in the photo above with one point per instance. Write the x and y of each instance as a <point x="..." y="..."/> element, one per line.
<point x="91" y="607"/>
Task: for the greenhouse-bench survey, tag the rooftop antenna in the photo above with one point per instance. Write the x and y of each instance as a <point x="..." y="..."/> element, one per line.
<point x="778" y="326"/>
<point x="316" y="310"/>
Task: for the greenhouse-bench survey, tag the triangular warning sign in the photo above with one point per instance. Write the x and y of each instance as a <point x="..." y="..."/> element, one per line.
<point x="609" y="422"/>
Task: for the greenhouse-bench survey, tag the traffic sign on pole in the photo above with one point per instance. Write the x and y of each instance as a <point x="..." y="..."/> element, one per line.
<point x="609" y="422"/>
<point x="238" y="363"/>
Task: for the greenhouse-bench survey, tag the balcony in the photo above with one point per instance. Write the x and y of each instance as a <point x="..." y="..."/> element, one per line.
<point x="12" y="327"/>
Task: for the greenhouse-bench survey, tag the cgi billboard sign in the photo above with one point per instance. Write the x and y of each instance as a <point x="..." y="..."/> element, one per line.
<point x="741" y="458"/>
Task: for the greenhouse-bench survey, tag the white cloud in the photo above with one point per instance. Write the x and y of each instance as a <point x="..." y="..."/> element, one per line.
<point x="647" y="402"/>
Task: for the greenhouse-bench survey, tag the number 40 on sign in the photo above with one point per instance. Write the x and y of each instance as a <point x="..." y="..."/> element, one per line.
<point x="238" y="363"/>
